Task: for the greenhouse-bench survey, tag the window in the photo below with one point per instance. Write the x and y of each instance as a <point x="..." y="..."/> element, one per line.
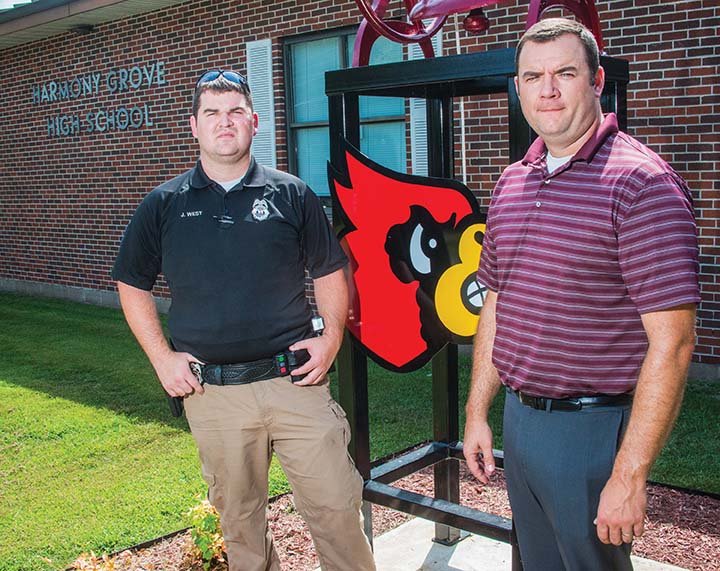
<point x="382" y="129"/>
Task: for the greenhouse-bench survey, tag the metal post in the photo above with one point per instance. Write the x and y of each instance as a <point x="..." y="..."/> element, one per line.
<point x="441" y="162"/>
<point x="351" y="362"/>
<point x="520" y="133"/>
<point x="445" y="429"/>
<point x="621" y="105"/>
<point x="516" y="561"/>
<point x="353" y="397"/>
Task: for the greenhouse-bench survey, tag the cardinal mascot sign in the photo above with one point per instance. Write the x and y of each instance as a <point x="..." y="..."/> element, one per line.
<point x="414" y="245"/>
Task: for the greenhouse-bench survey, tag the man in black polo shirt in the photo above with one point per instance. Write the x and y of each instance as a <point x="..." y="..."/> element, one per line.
<point x="233" y="239"/>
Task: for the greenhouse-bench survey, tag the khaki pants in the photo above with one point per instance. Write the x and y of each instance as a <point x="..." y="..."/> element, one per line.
<point x="237" y="428"/>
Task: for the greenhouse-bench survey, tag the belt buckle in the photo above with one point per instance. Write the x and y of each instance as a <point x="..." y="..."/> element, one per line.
<point x="574" y="404"/>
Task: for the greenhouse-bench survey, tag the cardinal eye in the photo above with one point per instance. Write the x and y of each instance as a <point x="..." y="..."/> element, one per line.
<point x="418" y="257"/>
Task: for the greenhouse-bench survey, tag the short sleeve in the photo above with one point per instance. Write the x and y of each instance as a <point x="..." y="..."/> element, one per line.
<point x="657" y="246"/>
<point x="321" y="249"/>
<point x="487" y="272"/>
<point x="139" y="260"/>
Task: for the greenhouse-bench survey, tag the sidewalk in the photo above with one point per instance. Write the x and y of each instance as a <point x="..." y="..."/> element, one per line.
<point x="410" y="548"/>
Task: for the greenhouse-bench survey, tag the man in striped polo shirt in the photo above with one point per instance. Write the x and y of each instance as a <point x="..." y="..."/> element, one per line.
<point x="590" y="260"/>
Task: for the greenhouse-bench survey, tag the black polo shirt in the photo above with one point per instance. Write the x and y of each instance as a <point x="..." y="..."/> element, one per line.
<point x="234" y="261"/>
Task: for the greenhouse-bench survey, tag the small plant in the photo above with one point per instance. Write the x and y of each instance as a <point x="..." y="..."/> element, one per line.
<point x="91" y="562"/>
<point x="208" y="542"/>
<point x="290" y="508"/>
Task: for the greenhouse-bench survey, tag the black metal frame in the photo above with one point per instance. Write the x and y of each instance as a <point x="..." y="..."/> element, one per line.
<point x="438" y="81"/>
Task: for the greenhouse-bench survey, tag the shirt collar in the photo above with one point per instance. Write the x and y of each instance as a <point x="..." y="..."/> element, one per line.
<point x="199" y="179"/>
<point x="255" y="176"/>
<point x="608" y="127"/>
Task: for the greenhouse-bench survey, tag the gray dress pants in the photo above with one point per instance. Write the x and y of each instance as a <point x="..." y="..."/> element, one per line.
<point x="556" y="465"/>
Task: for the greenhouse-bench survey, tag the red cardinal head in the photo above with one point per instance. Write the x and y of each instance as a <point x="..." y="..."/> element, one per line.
<point x="414" y="290"/>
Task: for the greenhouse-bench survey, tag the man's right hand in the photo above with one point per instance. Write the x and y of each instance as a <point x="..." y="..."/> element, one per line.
<point x="173" y="370"/>
<point x="477" y="448"/>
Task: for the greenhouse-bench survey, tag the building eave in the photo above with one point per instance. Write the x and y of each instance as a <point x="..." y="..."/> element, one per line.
<point x="45" y="18"/>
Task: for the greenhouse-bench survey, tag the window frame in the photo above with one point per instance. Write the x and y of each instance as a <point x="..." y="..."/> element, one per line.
<point x="292" y="127"/>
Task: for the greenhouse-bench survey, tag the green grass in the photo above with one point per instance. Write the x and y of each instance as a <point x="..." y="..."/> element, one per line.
<point x="691" y="457"/>
<point x="90" y="458"/>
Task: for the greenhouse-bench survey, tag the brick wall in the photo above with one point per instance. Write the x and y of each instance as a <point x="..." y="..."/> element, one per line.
<point x="64" y="201"/>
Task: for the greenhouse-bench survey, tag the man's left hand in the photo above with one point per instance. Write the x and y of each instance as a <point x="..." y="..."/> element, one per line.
<point x="621" y="511"/>
<point x="322" y="352"/>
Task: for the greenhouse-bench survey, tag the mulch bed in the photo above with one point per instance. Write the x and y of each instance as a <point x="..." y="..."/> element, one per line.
<point x="683" y="529"/>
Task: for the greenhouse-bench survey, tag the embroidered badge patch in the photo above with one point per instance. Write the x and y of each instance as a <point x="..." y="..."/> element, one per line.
<point x="260" y="210"/>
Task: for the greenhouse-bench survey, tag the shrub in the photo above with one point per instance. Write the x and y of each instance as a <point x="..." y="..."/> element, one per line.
<point x="208" y="542"/>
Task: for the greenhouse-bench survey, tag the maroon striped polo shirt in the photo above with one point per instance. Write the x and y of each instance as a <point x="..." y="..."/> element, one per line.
<point x="577" y="256"/>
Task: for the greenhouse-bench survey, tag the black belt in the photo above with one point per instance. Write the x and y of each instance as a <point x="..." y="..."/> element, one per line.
<point x="281" y="365"/>
<point x="572" y="403"/>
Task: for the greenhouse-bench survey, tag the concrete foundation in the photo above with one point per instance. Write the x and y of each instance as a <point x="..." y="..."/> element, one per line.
<point x="105" y="298"/>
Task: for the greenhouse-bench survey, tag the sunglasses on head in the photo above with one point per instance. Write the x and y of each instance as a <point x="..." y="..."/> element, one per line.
<point x="213" y="74"/>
